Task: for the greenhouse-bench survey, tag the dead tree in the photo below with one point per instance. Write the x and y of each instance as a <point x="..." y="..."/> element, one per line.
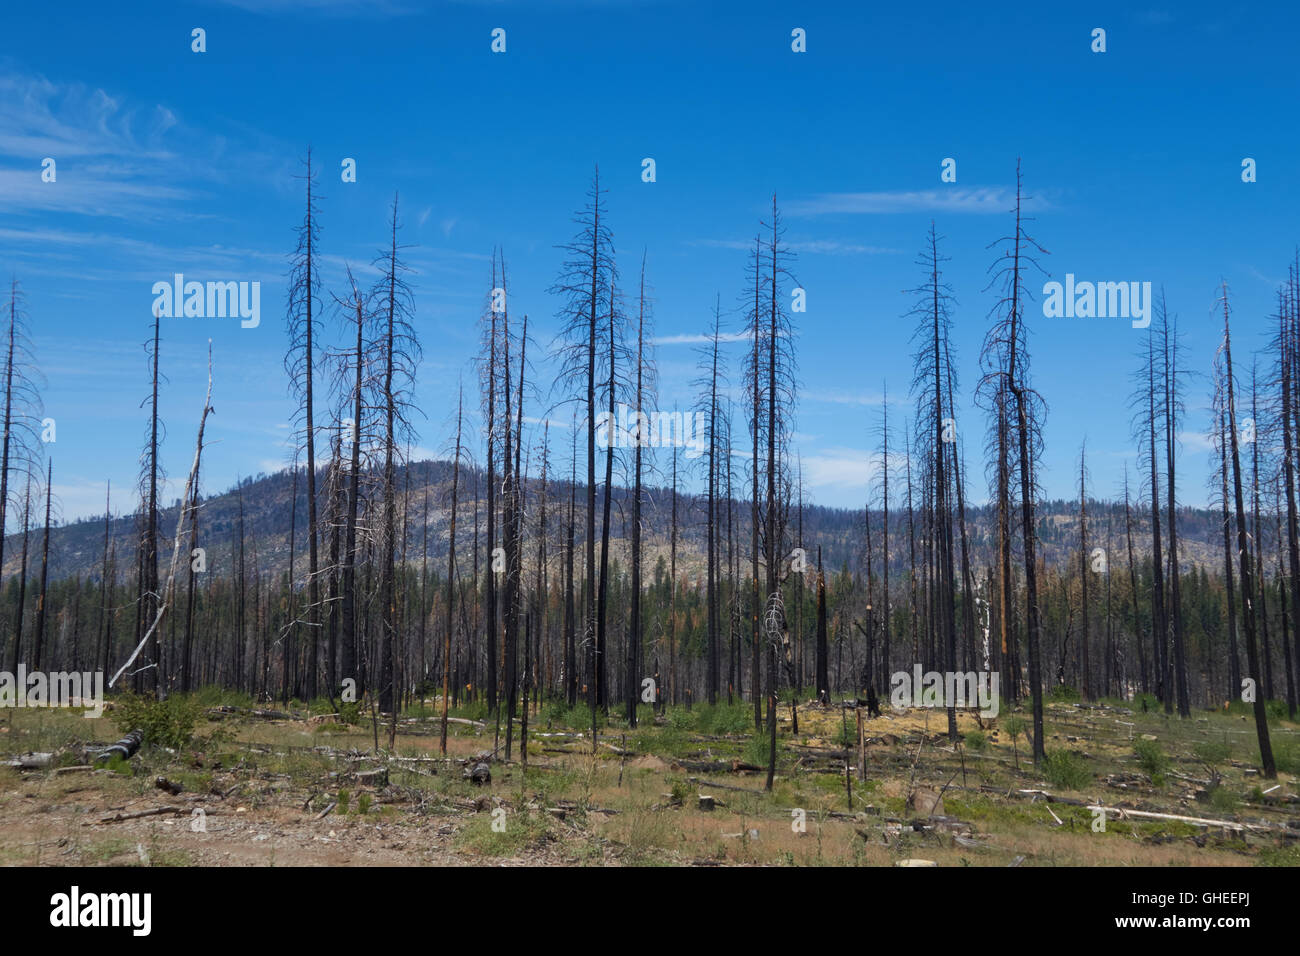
<point x="38" y="637"/>
<point x="351" y="384"/>
<point x="451" y="568"/>
<point x="1173" y="409"/>
<point x="644" y="389"/>
<point x="1243" y="551"/>
<point x="22" y="415"/>
<point x="1085" y="657"/>
<point x="1006" y="354"/>
<point x="586" y="281"/>
<point x="398" y="350"/>
<point x="932" y="371"/>
<point x="1221" y="426"/>
<point x="710" y="378"/>
<point x="168" y="595"/>
<point x="147" y="579"/>
<point x="775" y="384"/>
<point x="1287" y="346"/>
<point x="303" y="328"/>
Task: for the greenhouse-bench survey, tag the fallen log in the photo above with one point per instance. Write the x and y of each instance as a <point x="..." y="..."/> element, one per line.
<point x="1052" y="798"/>
<point x="1121" y="813"/>
<point x="718" y="766"/>
<point x="225" y="710"/>
<point x="723" y="786"/>
<point x="162" y="783"/>
<point x="31" y="761"/>
<point x="125" y="748"/>
<point x="155" y="812"/>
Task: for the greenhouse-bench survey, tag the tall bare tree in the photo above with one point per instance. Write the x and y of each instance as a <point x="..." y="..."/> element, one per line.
<point x="22" y="416"/>
<point x="303" y="327"/>
<point x="398" y="350"/>
<point x="1243" y="550"/>
<point x="1006" y="357"/>
<point x="585" y="284"/>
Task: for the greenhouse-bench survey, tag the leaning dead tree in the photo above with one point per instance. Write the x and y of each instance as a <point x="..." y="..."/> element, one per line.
<point x="169" y="592"/>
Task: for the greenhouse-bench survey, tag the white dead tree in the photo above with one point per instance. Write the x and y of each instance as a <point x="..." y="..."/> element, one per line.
<point x="169" y="591"/>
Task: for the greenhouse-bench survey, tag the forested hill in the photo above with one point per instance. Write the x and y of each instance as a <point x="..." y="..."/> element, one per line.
<point x="78" y="548"/>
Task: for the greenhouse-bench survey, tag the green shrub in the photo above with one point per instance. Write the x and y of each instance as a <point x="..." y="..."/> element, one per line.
<point x="757" y="750"/>
<point x="166" y="723"/>
<point x="1211" y="752"/>
<point x="723" y="719"/>
<point x="1152" y="759"/>
<point x="975" y="740"/>
<point x="555" y="713"/>
<point x="1146" y="703"/>
<point x="680" y="719"/>
<point x="1065" y="770"/>
<point x="847" y="736"/>
<point x="1223" y="799"/>
<point x="1063" y="693"/>
<point x="1286" y="754"/>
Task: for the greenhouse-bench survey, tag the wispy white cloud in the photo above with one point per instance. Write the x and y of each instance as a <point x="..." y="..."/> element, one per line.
<point x="40" y="118"/>
<point x="1273" y="281"/>
<point x="700" y="339"/>
<point x="840" y="468"/>
<point x="1197" y="441"/>
<point x="149" y="261"/>
<point x="92" y="191"/>
<point x="828" y="247"/>
<point x="112" y="157"/>
<point x="842" y="397"/>
<point x="989" y="200"/>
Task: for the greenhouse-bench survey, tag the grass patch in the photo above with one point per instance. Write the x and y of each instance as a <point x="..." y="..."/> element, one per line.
<point x="1066" y="770"/>
<point x="519" y="832"/>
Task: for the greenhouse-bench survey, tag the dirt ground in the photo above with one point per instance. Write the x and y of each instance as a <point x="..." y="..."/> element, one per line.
<point x="286" y="792"/>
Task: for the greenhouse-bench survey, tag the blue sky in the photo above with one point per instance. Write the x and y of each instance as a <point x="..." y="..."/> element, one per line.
<point x="174" y="161"/>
